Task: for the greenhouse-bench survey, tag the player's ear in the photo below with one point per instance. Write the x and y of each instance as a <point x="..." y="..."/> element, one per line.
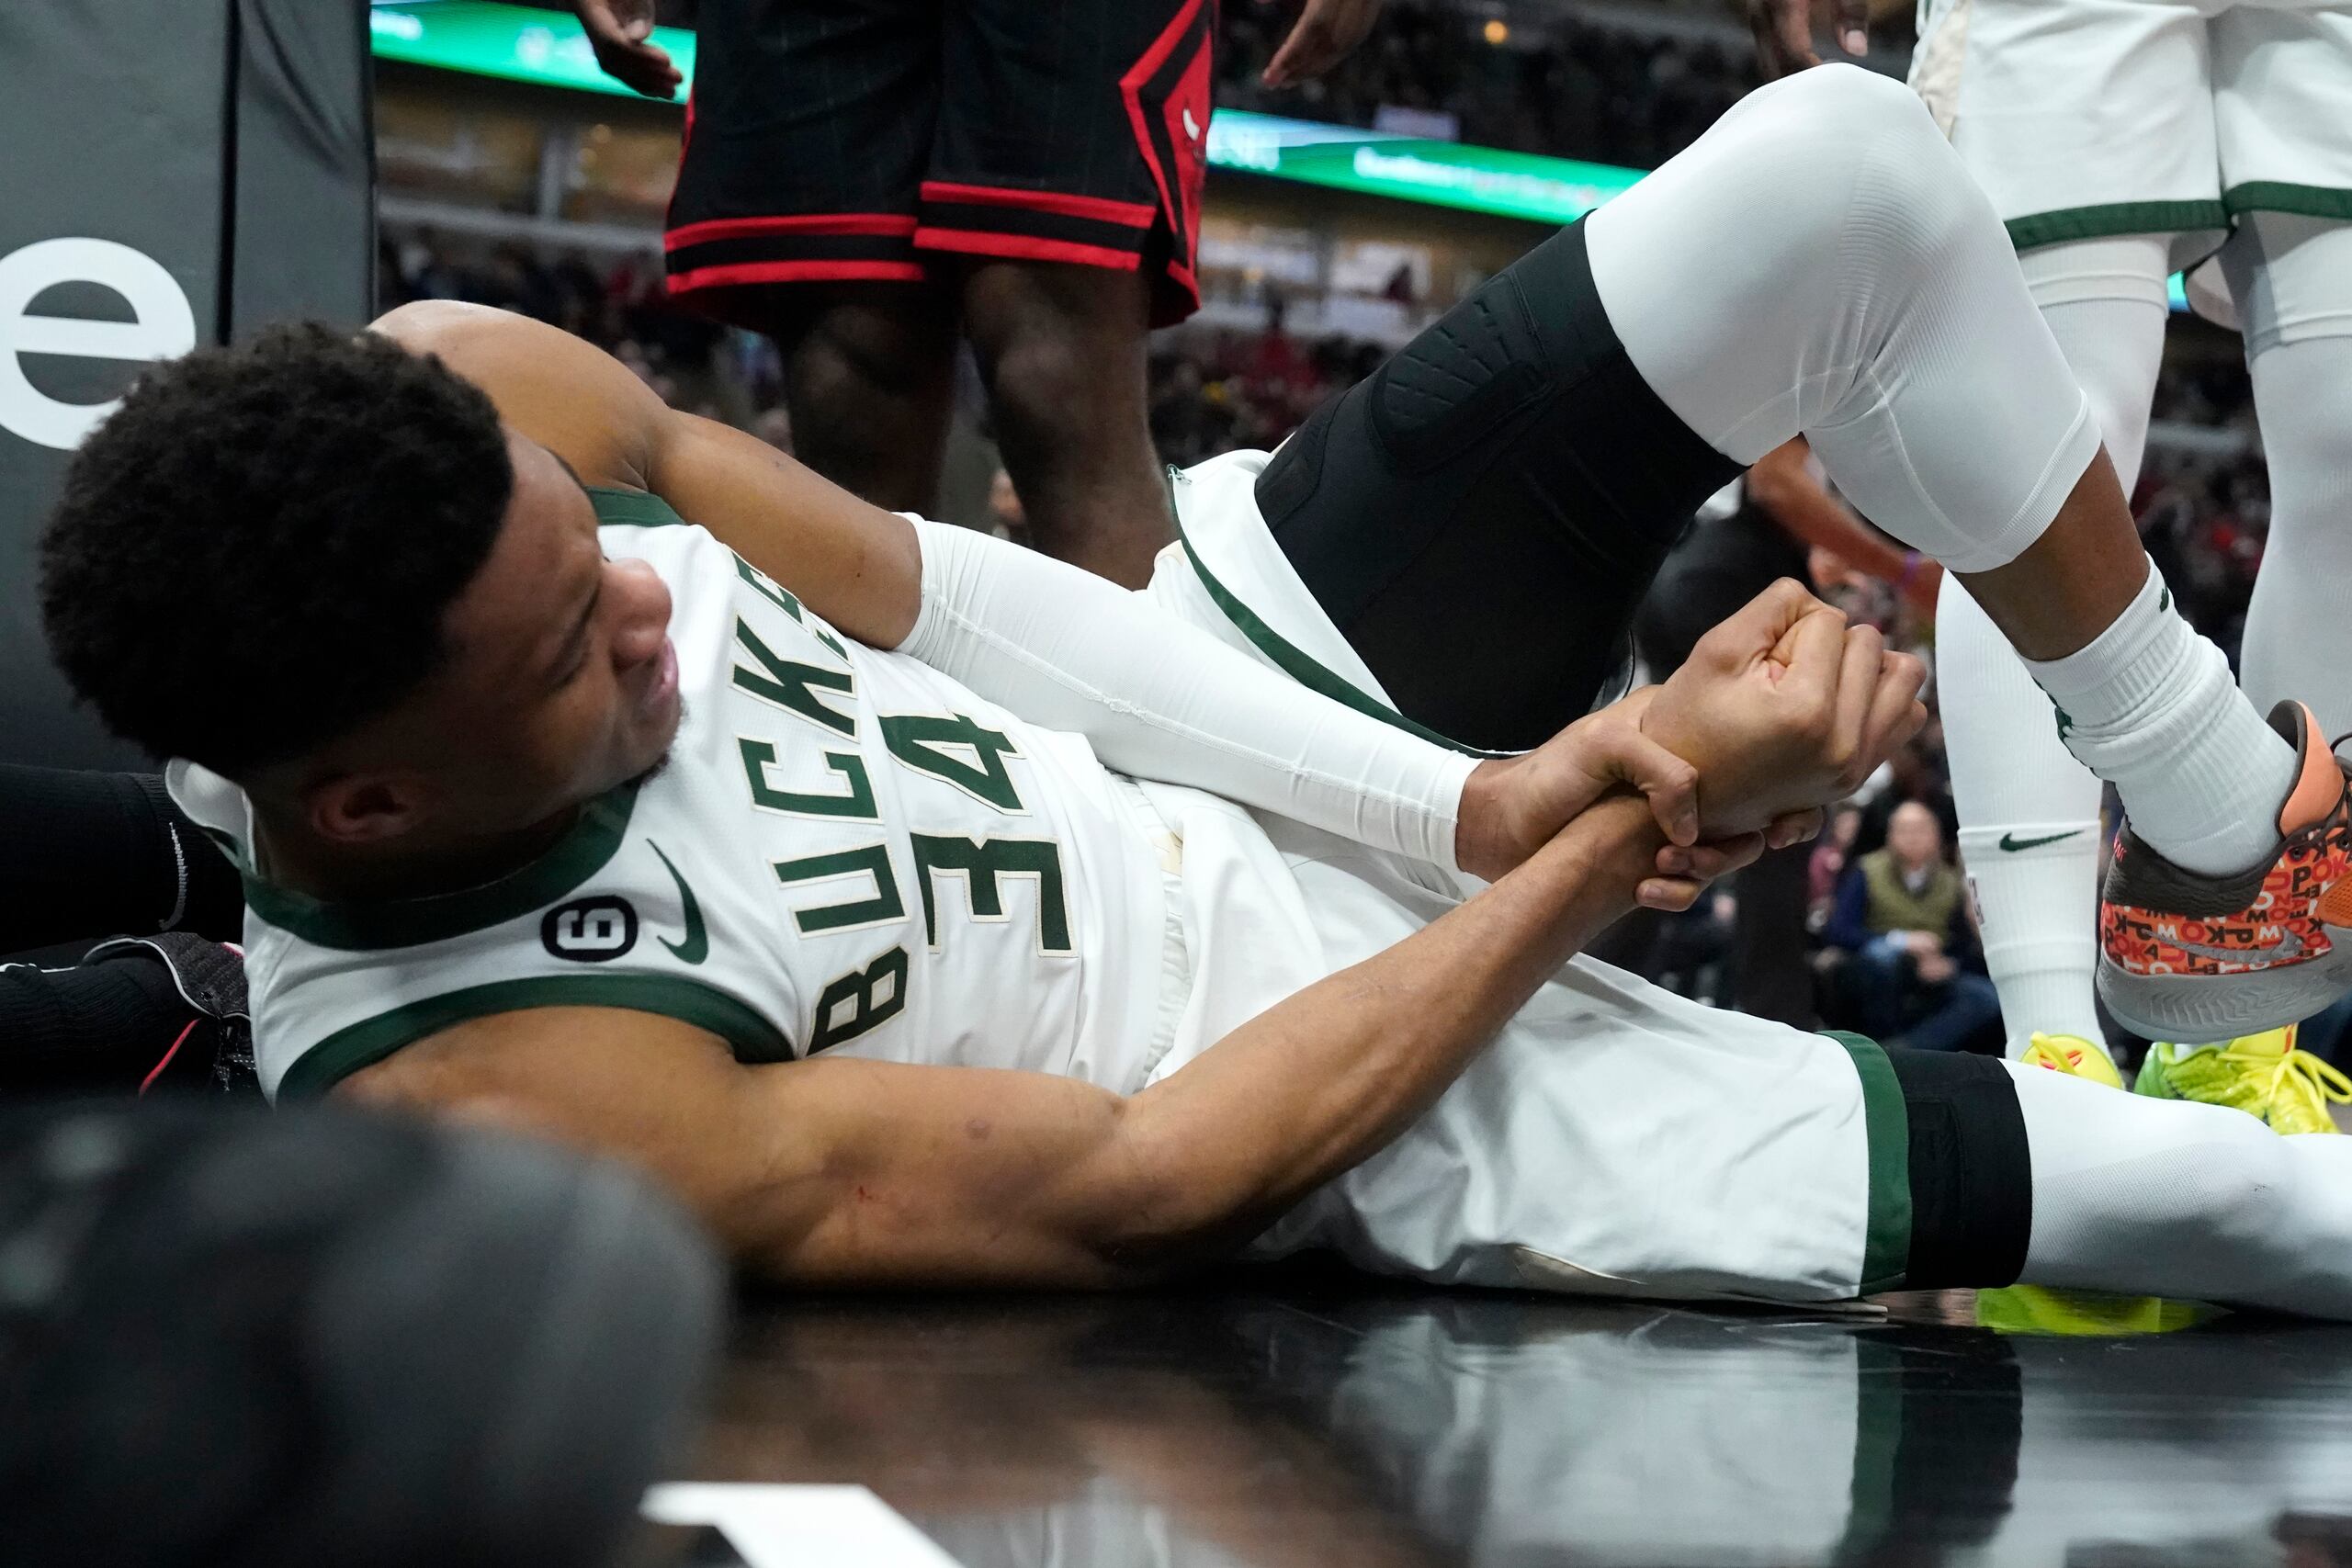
<point x="363" y="808"/>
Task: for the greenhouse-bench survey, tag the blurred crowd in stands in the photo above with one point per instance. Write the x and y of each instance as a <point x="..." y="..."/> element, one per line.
<point x="1561" y="84"/>
<point x="2203" y="501"/>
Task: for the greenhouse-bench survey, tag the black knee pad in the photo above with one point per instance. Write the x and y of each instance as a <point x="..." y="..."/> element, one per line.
<point x="1482" y="515"/>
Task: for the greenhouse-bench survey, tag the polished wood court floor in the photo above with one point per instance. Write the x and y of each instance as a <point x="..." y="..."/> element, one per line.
<point x="1288" y="1421"/>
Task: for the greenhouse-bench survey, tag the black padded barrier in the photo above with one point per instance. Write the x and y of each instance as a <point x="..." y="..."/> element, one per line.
<point x="171" y="173"/>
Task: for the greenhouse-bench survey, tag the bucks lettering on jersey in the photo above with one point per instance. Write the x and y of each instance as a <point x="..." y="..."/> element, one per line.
<point x="847" y="850"/>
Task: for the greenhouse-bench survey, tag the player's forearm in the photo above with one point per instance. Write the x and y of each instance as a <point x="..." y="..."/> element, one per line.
<point x="1326" y="1079"/>
<point x="1159" y="698"/>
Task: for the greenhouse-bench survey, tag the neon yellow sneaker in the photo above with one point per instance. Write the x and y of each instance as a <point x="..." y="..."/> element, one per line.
<point x="2074" y="1056"/>
<point x="2039" y="1310"/>
<point x="2263" y="1074"/>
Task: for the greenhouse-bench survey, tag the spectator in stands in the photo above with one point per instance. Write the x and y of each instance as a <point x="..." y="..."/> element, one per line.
<point x="1620" y="89"/>
<point x="1913" y="971"/>
<point x="1826" y="868"/>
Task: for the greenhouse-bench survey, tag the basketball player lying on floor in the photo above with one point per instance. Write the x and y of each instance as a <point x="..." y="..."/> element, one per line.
<point x="925" y="911"/>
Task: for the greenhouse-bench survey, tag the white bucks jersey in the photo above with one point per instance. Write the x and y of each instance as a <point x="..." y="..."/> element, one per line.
<point x="847" y="851"/>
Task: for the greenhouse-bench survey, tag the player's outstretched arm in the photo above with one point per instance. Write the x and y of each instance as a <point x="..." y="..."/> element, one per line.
<point x="837" y="1171"/>
<point x="1157" y="697"/>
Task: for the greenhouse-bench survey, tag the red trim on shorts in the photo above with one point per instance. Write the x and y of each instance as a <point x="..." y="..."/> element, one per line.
<point x="1131" y="87"/>
<point x="794" y="272"/>
<point x="1025" y="247"/>
<point x="810" y="223"/>
<point x="1127" y="214"/>
<point x="1182" y="277"/>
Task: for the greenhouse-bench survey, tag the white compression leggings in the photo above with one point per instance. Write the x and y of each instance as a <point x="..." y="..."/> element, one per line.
<point x="2165" y="1198"/>
<point x="1820" y="263"/>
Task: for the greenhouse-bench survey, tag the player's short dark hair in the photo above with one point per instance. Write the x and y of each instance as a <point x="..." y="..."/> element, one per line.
<point x="254" y="555"/>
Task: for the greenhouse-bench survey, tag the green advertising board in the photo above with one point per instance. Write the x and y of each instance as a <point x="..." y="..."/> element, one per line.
<point x="1478" y="179"/>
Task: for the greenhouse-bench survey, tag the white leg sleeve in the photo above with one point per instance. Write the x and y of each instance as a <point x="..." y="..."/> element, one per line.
<point x="2293" y="279"/>
<point x="2107" y="304"/>
<point x="2165" y="1197"/>
<point x="1821" y="263"/>
<point x="2028" y="827"/>
<point x="2029" y="812"/>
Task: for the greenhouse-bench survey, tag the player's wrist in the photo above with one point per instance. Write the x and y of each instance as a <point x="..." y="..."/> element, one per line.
<point x="1480" y="835"/>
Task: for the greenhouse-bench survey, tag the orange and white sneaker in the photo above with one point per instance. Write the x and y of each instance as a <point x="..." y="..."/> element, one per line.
<point x="2184" y="956"/>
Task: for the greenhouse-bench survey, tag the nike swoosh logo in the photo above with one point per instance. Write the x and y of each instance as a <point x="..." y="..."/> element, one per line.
<point x="696" y="947"/>
<point x="2012" y="842"/>
<point x="2286" y="949"/>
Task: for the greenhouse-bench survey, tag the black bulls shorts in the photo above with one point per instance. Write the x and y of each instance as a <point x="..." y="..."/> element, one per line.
<point x="830" y="139"/>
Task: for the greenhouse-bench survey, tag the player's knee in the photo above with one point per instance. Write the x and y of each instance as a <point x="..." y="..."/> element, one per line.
<point x="856" y="357"/>
<point x="1821" y="126"/>
<point x="1859" y="101"/>
<point x="1051" y="386"/>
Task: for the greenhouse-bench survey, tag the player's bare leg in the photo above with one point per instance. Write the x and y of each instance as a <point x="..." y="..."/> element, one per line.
<point x="1061" y="347"/>
<point x="869" y="377"/>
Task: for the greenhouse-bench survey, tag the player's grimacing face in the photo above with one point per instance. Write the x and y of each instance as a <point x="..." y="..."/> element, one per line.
<point x="563" y="682"/>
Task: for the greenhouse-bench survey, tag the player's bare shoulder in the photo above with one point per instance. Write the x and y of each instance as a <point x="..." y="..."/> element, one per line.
<point x="559" y="391"/>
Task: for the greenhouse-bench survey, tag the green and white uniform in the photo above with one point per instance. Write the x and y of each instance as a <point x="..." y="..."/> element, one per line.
<point x="847" y="851"/>
<point x="2083" y="119"/>
<point x="851" y="852"/>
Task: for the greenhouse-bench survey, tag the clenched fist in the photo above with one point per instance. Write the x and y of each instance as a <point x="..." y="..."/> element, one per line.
<point x="1784" y="708"/>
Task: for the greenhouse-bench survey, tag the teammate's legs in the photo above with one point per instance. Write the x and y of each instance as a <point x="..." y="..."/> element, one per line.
<point x="2029" y="812"/>
<point x="869" y="378"/>
<point x="1061" y="349"/>
<point x="2292" y="280"/>
<point x="1880" y="313"/>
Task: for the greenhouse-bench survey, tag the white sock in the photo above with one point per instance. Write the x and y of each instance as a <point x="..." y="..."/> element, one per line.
<point x="2149" y="706"/>
<point x="2028" y="834"/>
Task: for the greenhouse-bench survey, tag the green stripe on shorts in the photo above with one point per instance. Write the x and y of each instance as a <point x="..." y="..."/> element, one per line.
<point x="1886" y="1246"/>
<point x="2115" y="217"/>
<point x="2285" y="196"/>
